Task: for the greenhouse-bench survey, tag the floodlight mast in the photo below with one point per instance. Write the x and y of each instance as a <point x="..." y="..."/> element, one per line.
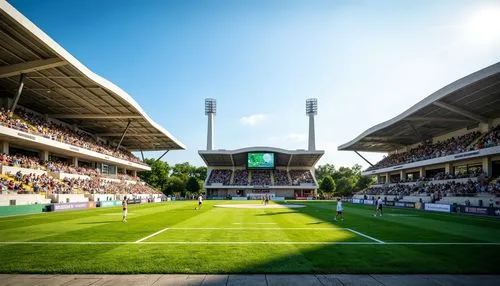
<point x="210" y="110"/>
<point x="311" y="111"/>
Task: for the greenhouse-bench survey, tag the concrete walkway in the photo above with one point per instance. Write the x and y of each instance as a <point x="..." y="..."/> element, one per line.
<point x="257" y="279"/>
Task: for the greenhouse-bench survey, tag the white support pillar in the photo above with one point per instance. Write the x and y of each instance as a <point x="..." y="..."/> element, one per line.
<point x="5" y="147"/>
<point x="44" y="155"/>
<point x="447" y="168"/>
<point x="401" y="175"/>
<point x="134" y="173"/>
<point x="312" y="137"/>
<point x="421" y="172"/>
<point x="210" y="111"/>
<point x="486" y="164"/>
<point x="210" y="131"/>
<point x="75" y="162"/>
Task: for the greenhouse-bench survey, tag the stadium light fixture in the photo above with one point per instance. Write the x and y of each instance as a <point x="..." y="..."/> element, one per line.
<point x="311" y="111"/>
<point x="210" y="106"/>
<point x="210" y="110"/>
<point x="312" y="106"/>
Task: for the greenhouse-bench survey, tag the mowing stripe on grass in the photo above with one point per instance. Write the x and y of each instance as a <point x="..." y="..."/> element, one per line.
<point x="364" y="235"/>
<point x="240" y="242"/>
<point x="151" y="235"/>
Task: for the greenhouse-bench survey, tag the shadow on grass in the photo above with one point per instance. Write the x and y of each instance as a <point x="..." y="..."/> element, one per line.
<point x="374" y="258"/>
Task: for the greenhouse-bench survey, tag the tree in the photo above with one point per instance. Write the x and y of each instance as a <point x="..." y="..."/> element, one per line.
<point x="348" y="180"/>
<point x="364" y="182"/>
<point x="181" y="170"/>
<point x="175" y="186"/>
<point x="193" y="185"/>
<point x="158" y="176"/>
<point x="327" y="185"/>
<point x="345" y="186"/>
<point x="199" y="173"/>
<point x="324" y="170"/>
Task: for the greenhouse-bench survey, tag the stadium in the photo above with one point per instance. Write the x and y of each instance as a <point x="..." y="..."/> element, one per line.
<point x="66" y="133"/>
<point x="255" y="172"/>
<point x="67" y="137"/>
<point x="443" y="150"/>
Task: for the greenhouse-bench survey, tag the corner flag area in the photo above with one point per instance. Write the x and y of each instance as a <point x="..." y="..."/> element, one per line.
<point x="174" y="238"/>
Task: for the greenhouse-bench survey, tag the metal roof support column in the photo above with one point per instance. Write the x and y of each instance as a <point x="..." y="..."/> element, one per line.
<point x="18" y="94"/>
<point x="123" y="135"/>
<point x="363" y="158"/>
<point x="162" y="155"/>
<point x="142" y="155"/>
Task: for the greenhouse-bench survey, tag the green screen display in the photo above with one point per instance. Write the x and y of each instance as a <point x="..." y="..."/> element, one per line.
<point x="260" y="160"/>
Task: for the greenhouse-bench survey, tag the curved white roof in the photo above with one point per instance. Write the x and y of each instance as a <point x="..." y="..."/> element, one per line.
<point x="58" y="85"/>
<point x="466" y="102"/>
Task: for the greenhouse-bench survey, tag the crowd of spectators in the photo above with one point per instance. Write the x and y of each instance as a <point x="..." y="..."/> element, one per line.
<point x="221" y="176"/>
<point x="394" y="190"/>
<point x="453" y="189"/>
<point x="490" y="139"/>
<point x="261" y="177"/>
<point x="264" y="177"/>
<point x="95" y="186"/>
<point x="22" y="161"/>
<point x="31" y="123"/>
<point x="442" y="176"/>
<point x="429" y="150"/>
<point x="32" y="183"/>
<point x="301" y="176"/>
<point x="28" y="183"/>
<point x="240" y="177"/>
<point x="281" y="178"/>
<point x="437" y="190"/>
<point x="59" y="166"/>
<point x="29" y="162"/>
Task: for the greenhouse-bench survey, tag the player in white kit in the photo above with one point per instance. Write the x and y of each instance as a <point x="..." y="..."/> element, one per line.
<point x="340" y="210"/>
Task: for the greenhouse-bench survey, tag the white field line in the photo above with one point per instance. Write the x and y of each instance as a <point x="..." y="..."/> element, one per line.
<point x="239" y="243"/>
<point x="364" y="235"/>
<point x="255" y="223"/>
<point x="151" y="235"/>
<point x="254" y="228"/>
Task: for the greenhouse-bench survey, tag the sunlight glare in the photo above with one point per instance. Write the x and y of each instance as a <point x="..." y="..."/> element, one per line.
<point x="482" y="27"/>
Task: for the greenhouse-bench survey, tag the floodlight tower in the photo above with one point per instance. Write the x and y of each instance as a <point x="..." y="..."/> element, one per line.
<point x="210" y="110"/>
<point x="311" y="111"/>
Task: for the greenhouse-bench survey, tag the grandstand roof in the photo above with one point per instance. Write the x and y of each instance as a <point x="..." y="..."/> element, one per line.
<point x="464" y="103"/>
<point x="58" y="85"/>
<point x="238" y="158"/>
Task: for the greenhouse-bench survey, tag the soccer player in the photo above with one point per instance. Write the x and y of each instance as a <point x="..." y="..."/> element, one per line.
<point x="379" y="210"/>
<point x="200" y="200"/>
<point x="125" y="209"/>
<point x="340" y="210"/>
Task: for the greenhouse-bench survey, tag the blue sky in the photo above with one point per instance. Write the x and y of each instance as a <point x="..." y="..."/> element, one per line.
<point x="365" y="61"/>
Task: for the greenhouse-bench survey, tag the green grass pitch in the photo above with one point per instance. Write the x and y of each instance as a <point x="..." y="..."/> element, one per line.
<point x="172" y="237"/>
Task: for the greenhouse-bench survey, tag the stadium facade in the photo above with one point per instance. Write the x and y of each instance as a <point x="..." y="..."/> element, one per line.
<point x="451" y="134"/>
<point x="255" y="172"/>
<point x="56" y="109"/>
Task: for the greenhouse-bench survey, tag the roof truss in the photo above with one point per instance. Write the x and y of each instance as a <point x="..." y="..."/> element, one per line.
<point x="26" y="67"/>
<point x="95" y="116"/>
<point x="461" y="111"/>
